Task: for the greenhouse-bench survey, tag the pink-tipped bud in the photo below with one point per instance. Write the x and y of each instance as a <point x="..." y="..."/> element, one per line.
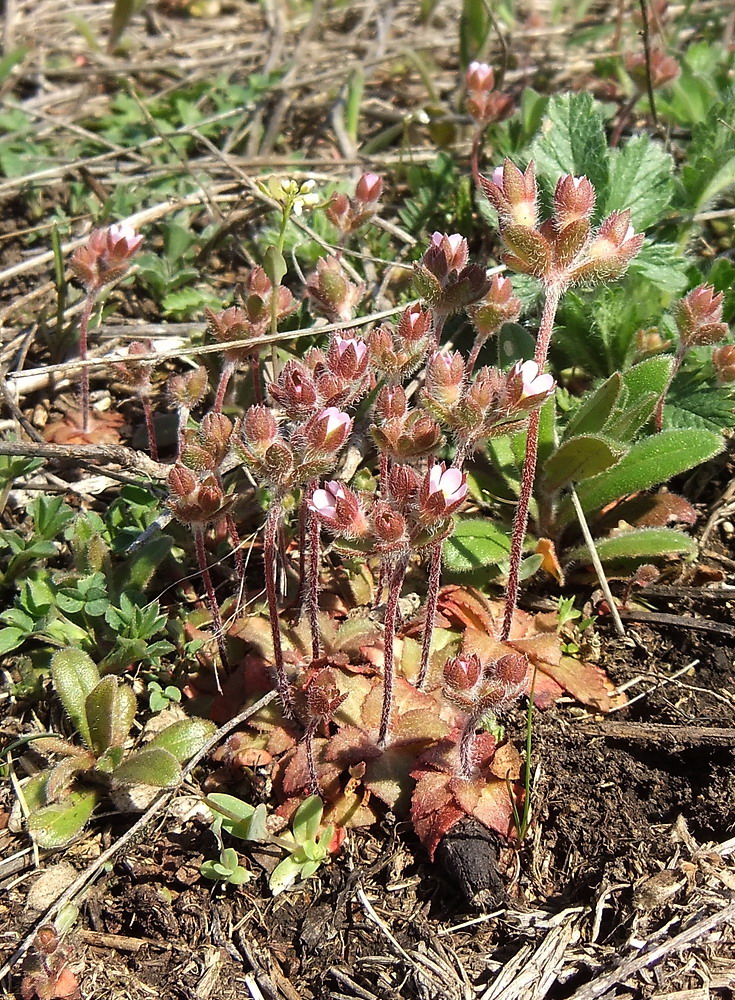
<point x="453" y="248"/>
<point x="415" y="323"/>
<point x="479" y="77"/>
<point x="339" y="211"/>
<point x="481" y="102"/>
<point x="663" y="69"/>
<point x="190" y="389"/>
<point x="498" y="306"/>
<point x="574" y="198"/>
<point x="106" y="255"/>
<point x="328" y="430"/>
<point x="259" y="428"/>
<point x="526" y="387"/>
<point x="513" y="194"/>
<point x="369" y="189"/>
<point x="348" y="357"/>
<point x="699" y="317"/>
<point x="194" y="501"/>
<point x="463" y="672"/>
<point x="445" y="378"/>
<point x="339" y="509"/>
<point x="295" y="391"/>
<point x="391" y="403"/>
<point x="403" y="484"/>
<point x="723" y="361"/>
<point x="442" y="492"/>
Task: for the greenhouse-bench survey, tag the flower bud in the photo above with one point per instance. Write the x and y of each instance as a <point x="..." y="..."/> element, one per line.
<point x="403" y="484"/>
<point x="498" y="306"/>
<point x="334" y="294"/>
<point x="338" y="211"/>
<point x="609" y="252"/>
<point x="529" y="250"/>
<point x="105" y="256"/>
<point x="391" y="403"/>
<point x="328" y="430"/>
<point x="663" y="69"/>
<point x="699" y="317"/>
<point x="444" y="278"/>
<point x="278" y="461"/>
<point x="442" y="492"/>
<point x="215" y="432"/>
<point x="348" y="357"/>
<point x="190" y="389"/>
<point x="415" y="323"/>
<point x="137" y="374"/>
<point x="513" y="194"/>
<point x="574" y="198"/>
<point x="479" y="77"/>
<point x="295" y="391"/>
<point x="181" y="481"/>
<point x="259" y="428"/>
<point x="231" y="324"/>
<point x="512" y="672"/>
<point x="463" y="672"/>
<point x="445" y="378"/>
<point x="387" y="526"/>
<point x="723" y="361"/>
<point x="369" y="189"/>
<point x="194" y="501"/>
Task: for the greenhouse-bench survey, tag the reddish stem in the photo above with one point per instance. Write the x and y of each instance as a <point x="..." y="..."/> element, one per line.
<point x="389" y="632"/>
<point x="224" y="380"/>
<point x="255" y="368"/>
<point x="310" y="762"/>
<point x="432" y="603"/>
<point x="270" y="536"/>
<point x="219" y="628"/>
<point x="520" y="521"/>
<point x="83" y="338"/>
<point x="239" y="561"/>
<point x="312" y="579"/>
<point x="149" y="426"/>
<point x="182" y="420"/>
<point x="476" y="348"/>
<point x="467" y="746"/>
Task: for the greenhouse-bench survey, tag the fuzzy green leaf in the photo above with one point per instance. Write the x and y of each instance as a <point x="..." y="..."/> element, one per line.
<point x="572" y="141"/>
<point x="710" y="167"/>
<point x="476" y="542"/>
<point x="641" y="544"/>
<point x="580" y="458"/>
<point x="593" y="412"/>
<point x="653" y="460"/>
<point x="110" y="710"/>
<point x="305" y="824"/>
<point x="155" y="767"/>
<point x="184" y="738"/>
<point x="55" y="826"/>
<point x="515" y="343"/>
<point x="663" y="265"/>
<point x="641" y="179"/>
<point x="74" y="675"/>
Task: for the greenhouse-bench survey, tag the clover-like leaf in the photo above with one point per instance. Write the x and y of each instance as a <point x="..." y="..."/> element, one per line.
<point x="110" y="710"/>
<point x="75" y="674"/>
<point x="154" y="766"/>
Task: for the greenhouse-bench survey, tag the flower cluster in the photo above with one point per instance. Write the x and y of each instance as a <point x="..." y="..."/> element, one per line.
<point x="698" y="317"/>
<point x="106" y="256"/>
<point x="350" y="214"/>
<point x="397" y="353"/>
<point x="292" y="196"/>
<point x="563" y="250"/>
<point x="445" y="279"/>
<point x="331" y="291"/>
<point x="483" y="103"/>
<point x="253" y="318"/>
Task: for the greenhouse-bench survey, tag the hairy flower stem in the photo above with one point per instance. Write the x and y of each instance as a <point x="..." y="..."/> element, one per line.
<point x="239" y="561"/>
<point x="389" y="632"/>
<point x="520" y="521"/>
<point x="432" y="603"/>
<point x="219" y="629"/>
<point x="678" y="358"/>
<point x="150" y="428"/>
<point x="255" y="369"/>
<point x="83" y="338"/>
<point x="312" y="578"/>
<point x="270" y="544"/>
<point x="475" y="155"/>
<point x="224" y="380"/>
<point x="310" y="762"/>
<point x="182" y="419"/>
<point x="472" y="360"/>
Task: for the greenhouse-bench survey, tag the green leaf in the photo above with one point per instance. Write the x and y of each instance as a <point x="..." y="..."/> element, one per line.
<point x="641" y="544"/>
<point x="710" y="167"/>
<point x="184" y="738"/>
<point x="305" y="824"/>
<point x="110" y="709"/>
<point x="74" y="675"/>
<point x="476" y="542"/>
<point x="285" y="875"/>
<point x="641" y="179"/>
<point x="593" y="412"/>
<point x="11" y="638"/>
<point x="662" y="265"/>
<point x="55" y="826"/>
<point x="572" y="141"/>
<point x="643" y="385"/>
<point x="704" y="406"/>
<point x="239" y="818"/>
<point x="654" y="460"/>
<point x="274" y="264"/>
<point x="514" y="344"/>
<point x="154" y="766"/>
<point x="580" y="458"/>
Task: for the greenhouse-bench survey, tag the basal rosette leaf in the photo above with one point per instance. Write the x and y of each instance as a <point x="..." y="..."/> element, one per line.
<point x="595" y="409"/>
<point x="74" y="674"/>
<point x="154" y="766"/>
<point x="56" y="825"/>
<point x="639" y="545"/>
<point x="110" y="709"/>
<point x="578" y="458"/>
<point x="184" y="738"/>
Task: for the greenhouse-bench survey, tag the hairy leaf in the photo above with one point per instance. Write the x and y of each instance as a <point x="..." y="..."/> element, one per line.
<point x="155" y="767"/>
<point x="56" y="825"/>
<point x="110" y="710"/>
<point x="641" y="543"/>
<point x="593" y="412"/>
<point x="641" y="179"/>
<point x="475" y="543"/>
<point x="184" y="738"/>
<point x="580" y="458"/>
<point x="74" y="675"/>
<point x="572" y="141"/>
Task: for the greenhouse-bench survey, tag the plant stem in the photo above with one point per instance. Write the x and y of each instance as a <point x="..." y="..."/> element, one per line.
<point x="219" y="629"/>
<point x="270" y="535"/>
<point x="678" y="358"/>
<point x="224" y="380"/>
<point x="476" y="348"/>
<point x="467" y="745"/>
<point x="239" y="561"/>
<point x="83" y="337"/>
<point x="432" y="602"/>
<point x="389" y="632"/>
<point x="526" y="818"/>
<point x="312" y="577"/>
<point x="602" y="579"/>
<point x="255" y="368"/>
<point x="310" y="762"/>
<point x="149" y="426"/>
<point x="520" y="521"/>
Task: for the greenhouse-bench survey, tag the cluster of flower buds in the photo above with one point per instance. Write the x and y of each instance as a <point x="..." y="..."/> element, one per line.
<point x="291" y="195"/>
<point x="663" y="69"/>
<point x="196" y="499"/>
<point x="482" y="101"/>
<point x="349" y="214"/>
<point x="482" y="688"/>
<point x="492" y="403"/>
<point x="498" y="306"/>
<point x="699" y="317"/>
<point x="401" y="433"/>
<point x="650" y="341"/>
<point x="723" y="361"/>
<point x="253" y="318"/>
<point x="188" y="390"/>
<point x="339" y="376"/>
<point x="332" y="292"/>
<point x="415" y="511"/>
<point x="563" y="250"/>
<point x="445" y="279"/>
<point x="105" y="256"/>
<point x="310" y="451"/>
<point x="322" y="697"/>
<point x="206" y="447"/>
<point x="396" y="354"/>
<point x="135" y="373"/>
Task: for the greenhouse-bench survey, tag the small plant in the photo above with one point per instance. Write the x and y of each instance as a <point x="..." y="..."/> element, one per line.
<point x="60" y="799"/>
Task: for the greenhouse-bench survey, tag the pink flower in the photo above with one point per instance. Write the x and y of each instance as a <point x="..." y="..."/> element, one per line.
<point x="451" y="483"/>
<point x="369" y="188"/>
<point x="480" y="77"/>
<point x="534" y="384"/>
<point x="123" y="232"/>
<point x="324" y="502"/>
<point x="328" y="430"/>
<point x="360" y="347"/>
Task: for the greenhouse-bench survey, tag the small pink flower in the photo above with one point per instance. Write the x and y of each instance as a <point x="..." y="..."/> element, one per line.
<point x="452" y="483"/>
<point x="498" y="177"/>
<point x="534" y="383"/>
<point x="480" y="77"/>
<point x="328" y="430"/>
<point x="324" y="502"/>
<point x="369" y="188"/>
<point x="360" y="347"/>
<point x="124" y="232"/>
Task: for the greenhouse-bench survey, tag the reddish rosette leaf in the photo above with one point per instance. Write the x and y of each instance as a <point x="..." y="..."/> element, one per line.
<point x="650" y="510"/>
<point x="434" y="810"/>
<point x="350" y="746"/>
<point x="588" y="683"/>
<point x="294" y="772"/>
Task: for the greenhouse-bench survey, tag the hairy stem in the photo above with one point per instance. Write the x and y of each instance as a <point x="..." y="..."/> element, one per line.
<point x="312" y="578"/>
<point x="432" y="602"/>
<point x="150" y="428"/>
<point x="182" y="421"/>
<point x="219" y="630"/>
<point x="520" y="521"/>
<point x="255" y="368"/>
<point x="472" y="360"/>
<point x="310" y="762"/>
<point x="467" y="746"/>
<point x="391" y="616"/>
<point x="270" y="546"/>
<point x="224" y="380"/>
<point x="83" y="338"/>
<point x="239" y="561"/>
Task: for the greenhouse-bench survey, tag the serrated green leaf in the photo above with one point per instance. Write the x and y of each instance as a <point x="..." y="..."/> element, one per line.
<point x="55" y="826"/>
<point x="155" y="767"/>
<point x="641" y="544"/>
<point x="476" y="542"/>
<point x="593" y="412"/>
<point x="572" y="141"/>
<point x="579" y="458"/>
<point x="662" y="265"/>
<point x="184" y="738"/>
<point x="110" y="709"/>
<point x="641" y="179"/>
<point x="710" y="167"/>
<point x="649" y="462"/>
<point x="74" y="675"/>
<point x="701" y="406"/>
